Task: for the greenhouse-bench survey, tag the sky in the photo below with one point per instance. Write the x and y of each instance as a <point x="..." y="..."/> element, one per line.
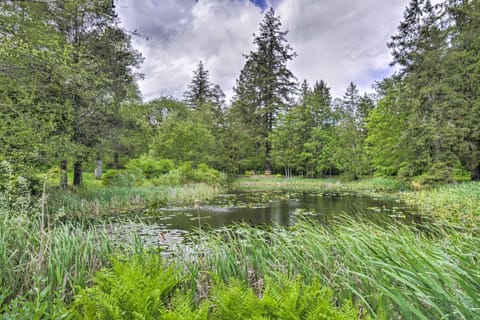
<point x="337" y="41"/>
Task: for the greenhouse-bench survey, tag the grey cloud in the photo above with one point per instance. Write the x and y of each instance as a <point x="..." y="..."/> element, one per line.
<point x="217" y="32"/>
<point x="336" y="40"/>
<point x="340" y="41"/>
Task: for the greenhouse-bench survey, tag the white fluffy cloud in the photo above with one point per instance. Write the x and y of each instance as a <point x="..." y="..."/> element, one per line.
<point x="341" y="40"/>
<point x="336" y="40"/>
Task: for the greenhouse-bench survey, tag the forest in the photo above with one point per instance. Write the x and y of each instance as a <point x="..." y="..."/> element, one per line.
<point x="79" y="144"/>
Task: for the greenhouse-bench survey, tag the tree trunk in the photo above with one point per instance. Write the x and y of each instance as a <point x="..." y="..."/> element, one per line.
<point x="268" y="165"/>
<point x="115" y="160"/>
<point x="475" y="173"/>
<point x="63" y="174"/>
<point x="77" y="174"/>
<point x="98" y="169"/>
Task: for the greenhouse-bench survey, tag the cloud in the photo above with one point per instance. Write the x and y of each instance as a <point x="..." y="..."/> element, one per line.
<point x="183" y="32"/>
<point x="341" y="40"/>
<point x="336" y="40"/>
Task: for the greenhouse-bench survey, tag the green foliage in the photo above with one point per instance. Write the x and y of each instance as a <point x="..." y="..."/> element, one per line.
<point x="287" y="299"/>
<point x="137" y="289"/>
<point x="145" y="287"/>
<point x="38" y="303"/>
<point x="303" y="138"/>
<point x="265" y="84"/>
<point x="439" y="172"/>
<point x="385" y="125"/>
<point x="123" y="178"/>
<point x="186" y="173"/>
<point x="450" y="202"/>
<point x="434" y="97"/>
<point x="85" y="203"/>
<point x="37" y="281"/>
<point x="185" y="139"/>
<point x="151" y="167"/>
<point x="388" y="271"/>
<point x="361" y="186"/>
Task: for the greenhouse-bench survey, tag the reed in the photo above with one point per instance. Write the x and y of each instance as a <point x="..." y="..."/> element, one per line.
<point x="395" y="272"/>
<point x="40" y="270"/>
<point x="88" y="202"/>
<point x="367" y="185"/>
<point x="451" y="202"/>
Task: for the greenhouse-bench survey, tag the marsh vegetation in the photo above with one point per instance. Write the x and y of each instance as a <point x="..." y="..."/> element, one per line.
<point x="286" y="203"/>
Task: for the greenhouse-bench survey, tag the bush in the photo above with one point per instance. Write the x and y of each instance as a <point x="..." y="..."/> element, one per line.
<point x="185" y="173"/>
<point x="439" y="172"/>
<point x="173" y="178"/>
<point x="204" y="173"/>
<point x="122" y="178"/>
<point x="150" y="167"/>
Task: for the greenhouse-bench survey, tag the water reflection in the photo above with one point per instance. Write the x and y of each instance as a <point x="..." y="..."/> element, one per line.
<point x="166" y="226"/>
<point x="278" y="208"/>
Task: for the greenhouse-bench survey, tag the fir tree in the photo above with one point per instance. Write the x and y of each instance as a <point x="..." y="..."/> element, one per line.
<point x="199" y="90"/>
<point x="266" y="85"/>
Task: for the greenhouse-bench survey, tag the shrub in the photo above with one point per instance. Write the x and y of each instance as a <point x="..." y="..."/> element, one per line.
<point x="204" y="173"/>
<point x="173" y="178"/>
<point x="186" y="173"/>
<point x="136" y="289"/>
<point x="439" y="172"/>
<point x="150" y="166"/>
<point x="122" y="178"/>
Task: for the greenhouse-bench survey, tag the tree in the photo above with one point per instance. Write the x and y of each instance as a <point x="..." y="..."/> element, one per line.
<point x="419" y="48"/>
<point x="386" y="124"/>
<point x="303" y="136"/>
<point x="186" y="136"/>
<point x="102" y="59"/>
<point x="34" y="69"/>
<point x="265" y="86"/>
<point x="462" y="76"/>
<point x="349" y="151"/>
<point x="200" y="90"/>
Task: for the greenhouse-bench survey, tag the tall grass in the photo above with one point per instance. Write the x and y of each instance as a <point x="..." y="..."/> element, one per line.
<point x="396" y="272"/>
<point x="42" y="263"/>
<point x="367" y="185"/>
<point x="103" y="201"/>
<point x="448" y="201"/>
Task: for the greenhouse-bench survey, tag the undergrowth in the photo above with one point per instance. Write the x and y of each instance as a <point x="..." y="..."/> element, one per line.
<point x="87" y="202"/>
<point x="145" y="287"/>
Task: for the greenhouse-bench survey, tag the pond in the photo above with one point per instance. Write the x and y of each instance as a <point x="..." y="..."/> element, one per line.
<point x="169" y="224"/>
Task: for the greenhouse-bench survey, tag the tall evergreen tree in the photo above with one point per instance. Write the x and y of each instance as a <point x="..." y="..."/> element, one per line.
<point x="351" y="100"/>
<point x="462" y="77"/>
<point x="349" y="152"/>
<point x="265" y="86"/>
<point x="419" y="48"/>
<point x="200" y="89"/>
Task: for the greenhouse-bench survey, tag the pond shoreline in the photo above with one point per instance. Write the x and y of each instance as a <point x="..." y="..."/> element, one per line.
<point x="65" y="257"/>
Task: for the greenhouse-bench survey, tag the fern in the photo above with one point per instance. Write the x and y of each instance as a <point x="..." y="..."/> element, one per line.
<point x="144" y="287"/>
<point x="235" y="301"/>
<point x="135" y="289"/>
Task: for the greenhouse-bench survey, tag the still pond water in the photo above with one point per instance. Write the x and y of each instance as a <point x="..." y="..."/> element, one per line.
<point x="164" y="225"/>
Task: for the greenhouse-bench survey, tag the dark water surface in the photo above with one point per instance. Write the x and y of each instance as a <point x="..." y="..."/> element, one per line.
<point x="169" y="224"/>
<point x="279" y="208"/>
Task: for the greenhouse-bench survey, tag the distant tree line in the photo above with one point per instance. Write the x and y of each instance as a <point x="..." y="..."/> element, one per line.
<point x="69" y="95"/>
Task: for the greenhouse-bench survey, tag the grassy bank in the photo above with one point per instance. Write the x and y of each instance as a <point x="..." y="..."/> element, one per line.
<point x="353" y="271"/>
<point x="87" y="202"/>
<point x="452" y="202"/>
<point x="369" y="185"/>
<point x="41" y="267"/>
